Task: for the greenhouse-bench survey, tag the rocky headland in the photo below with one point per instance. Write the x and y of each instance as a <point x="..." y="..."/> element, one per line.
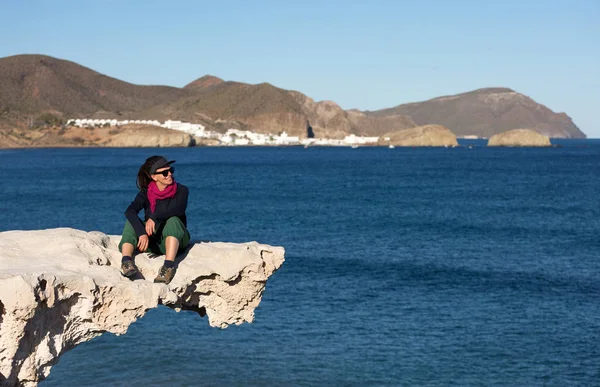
<point x="485" y="112"/>
<point x="427" y="136"/>
<point x="128" y="136"/>
<point x="62" y="287"/>
<point x="519" y="137"/>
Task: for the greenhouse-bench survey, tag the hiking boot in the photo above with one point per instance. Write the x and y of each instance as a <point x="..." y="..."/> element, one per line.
<point x="128" y="269"/>
<point x="165" y="275"/>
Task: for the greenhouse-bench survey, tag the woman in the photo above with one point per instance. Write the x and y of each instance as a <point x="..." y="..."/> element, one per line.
<point x="164" y="230"/>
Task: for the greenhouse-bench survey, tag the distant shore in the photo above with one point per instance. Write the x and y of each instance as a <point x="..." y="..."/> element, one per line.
<point x="463" y="143"/>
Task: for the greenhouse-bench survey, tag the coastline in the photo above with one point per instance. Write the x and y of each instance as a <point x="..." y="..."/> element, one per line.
<point x="480" y="143"/>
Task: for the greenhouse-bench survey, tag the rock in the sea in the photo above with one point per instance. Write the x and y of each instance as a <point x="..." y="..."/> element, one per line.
<point x="148" y="136"/>
<point x="62" y="287"/>
<point x="519" y="137"/>
<point x="427" y="135"/>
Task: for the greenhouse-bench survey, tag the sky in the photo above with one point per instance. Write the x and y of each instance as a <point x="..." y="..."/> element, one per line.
<point x="367" y="55"/>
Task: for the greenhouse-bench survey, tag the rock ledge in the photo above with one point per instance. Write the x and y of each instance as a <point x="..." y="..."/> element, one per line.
<point x="62" y="287"/>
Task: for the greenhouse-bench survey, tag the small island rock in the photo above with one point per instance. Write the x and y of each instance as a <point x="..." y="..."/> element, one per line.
<point x="427" y="135"/>
<point x="519" y="137"/>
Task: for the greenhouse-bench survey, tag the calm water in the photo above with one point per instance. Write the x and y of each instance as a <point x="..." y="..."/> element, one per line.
<point x="427" y="267"/>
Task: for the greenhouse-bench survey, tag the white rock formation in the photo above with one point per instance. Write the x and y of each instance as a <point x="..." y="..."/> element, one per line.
<point x="62" y="287"/>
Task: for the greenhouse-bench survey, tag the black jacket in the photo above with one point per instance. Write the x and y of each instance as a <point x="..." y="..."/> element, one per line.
<point x="165" y="209"/>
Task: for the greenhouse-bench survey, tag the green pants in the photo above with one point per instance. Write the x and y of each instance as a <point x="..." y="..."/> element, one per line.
<point x="174" y="227"/>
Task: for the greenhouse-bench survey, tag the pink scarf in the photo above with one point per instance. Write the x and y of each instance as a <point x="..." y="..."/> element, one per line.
<point x="154" y="194"/>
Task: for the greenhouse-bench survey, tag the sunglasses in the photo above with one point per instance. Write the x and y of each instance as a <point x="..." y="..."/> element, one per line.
<point x="165" y="173"/>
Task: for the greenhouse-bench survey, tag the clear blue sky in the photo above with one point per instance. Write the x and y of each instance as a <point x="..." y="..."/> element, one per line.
<point x="361" y="54"/>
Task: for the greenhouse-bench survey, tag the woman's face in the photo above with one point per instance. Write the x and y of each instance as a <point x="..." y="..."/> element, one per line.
<point x="164" y="175"/>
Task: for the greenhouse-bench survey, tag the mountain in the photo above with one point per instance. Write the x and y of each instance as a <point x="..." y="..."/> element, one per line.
<point x="204" y="82"/>
<point x="44" y="88"/>
<point x="33" y="84"/>
<point x="265" y="108"/>
<point x="485" y="112"/>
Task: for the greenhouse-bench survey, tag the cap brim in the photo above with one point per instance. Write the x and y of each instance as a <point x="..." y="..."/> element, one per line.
<point x="153" y="170"/>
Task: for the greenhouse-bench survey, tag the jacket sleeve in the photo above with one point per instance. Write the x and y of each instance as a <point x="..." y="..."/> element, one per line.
<point x="131" y="213"/>
<point x="176" y="206"/>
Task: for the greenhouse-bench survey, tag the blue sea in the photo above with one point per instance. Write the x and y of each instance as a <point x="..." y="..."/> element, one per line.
<point x="467" y="266"/>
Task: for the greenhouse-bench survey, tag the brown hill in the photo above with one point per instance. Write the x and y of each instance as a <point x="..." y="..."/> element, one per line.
<point x="204" y="82"/>
<point x="486" y="112"/>
<point x="32" y="84"/>
<point x="265" y="108"/>
<point x="231" y="104"/>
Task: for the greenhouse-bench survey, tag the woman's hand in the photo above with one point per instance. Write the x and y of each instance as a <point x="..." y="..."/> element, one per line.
<point x="143" y="243"/>
<point x="150" y="227"/>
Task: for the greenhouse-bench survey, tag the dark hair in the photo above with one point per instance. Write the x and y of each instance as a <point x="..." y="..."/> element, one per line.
<point x="143" y="177"/>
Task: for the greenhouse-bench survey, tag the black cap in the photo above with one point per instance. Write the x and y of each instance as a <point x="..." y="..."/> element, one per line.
<point x="160" y="163"/>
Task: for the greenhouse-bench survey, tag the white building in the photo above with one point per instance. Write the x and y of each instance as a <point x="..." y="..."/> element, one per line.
<point x="359" y="140"/>
<point x="236" y="137"/>
<point x="284" y="139"/>
<point x="241" y="141"/>
<point x="170" y="124"/>
<point x="193" y="129"/>
<point x="232" y="136"/>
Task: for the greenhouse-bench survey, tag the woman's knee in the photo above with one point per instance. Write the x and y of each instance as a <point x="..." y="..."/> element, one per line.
<point x="128" y="236"/>
<point x="124" y="241"/>
<point x="174" y="227"/>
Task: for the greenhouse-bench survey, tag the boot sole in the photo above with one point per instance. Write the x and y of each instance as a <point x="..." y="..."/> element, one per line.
<point x="130" y="274"/>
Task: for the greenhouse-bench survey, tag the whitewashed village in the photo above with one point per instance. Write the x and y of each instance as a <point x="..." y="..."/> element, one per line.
<point x="232" y="137"/>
